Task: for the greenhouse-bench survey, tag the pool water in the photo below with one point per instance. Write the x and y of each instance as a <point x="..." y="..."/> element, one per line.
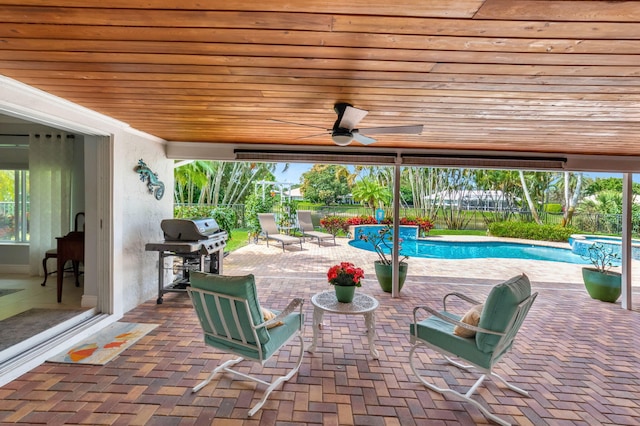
<point x="580" y="245"/>
<point x="413" y="247"/>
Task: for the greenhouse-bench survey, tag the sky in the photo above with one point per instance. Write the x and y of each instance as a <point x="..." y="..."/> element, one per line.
<point x="293" y="174"/>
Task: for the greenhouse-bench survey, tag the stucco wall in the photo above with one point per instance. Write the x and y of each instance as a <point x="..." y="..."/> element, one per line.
<point x="140" y="214"/>
<point x="134" y="217"/>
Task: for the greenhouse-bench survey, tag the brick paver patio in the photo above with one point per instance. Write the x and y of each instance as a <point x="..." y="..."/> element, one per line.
<point x="577" y="357"/>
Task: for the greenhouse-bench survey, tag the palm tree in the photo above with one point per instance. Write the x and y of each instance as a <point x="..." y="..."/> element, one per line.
<point x="218" y="182"/>
<point x="371" y="193"/>
<point x="527" y="195"/>
<point x="570" y="200"/>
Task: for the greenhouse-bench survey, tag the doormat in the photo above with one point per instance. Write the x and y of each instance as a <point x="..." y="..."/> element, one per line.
<point x="7" y="291"/>
<point x="27" y="324"/>
<point x="104" y="345"/>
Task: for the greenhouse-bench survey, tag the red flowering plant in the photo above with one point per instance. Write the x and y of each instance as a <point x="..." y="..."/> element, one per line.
<point x="345" y="274"/>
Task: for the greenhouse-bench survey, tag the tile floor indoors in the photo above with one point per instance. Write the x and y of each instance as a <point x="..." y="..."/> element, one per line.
<point x="32" y="294"/>
<point x="577" y="357"/>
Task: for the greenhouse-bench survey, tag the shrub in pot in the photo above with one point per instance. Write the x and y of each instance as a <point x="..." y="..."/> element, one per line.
<point x="382" y="242"/>
<point x="602" y="283"/>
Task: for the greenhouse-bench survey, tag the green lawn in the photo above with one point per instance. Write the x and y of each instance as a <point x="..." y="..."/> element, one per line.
<point x="239" y="238"/>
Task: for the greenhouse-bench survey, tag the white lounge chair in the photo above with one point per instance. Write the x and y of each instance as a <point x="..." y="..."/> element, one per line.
<point x="306" y="228"/>
<point x="271" y="232"/>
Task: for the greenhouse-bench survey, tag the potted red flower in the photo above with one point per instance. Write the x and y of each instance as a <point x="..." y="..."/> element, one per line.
<point x="345" y="277"/>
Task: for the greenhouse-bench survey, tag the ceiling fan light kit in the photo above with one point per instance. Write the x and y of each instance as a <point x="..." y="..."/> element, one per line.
<point x="342" y="138"/>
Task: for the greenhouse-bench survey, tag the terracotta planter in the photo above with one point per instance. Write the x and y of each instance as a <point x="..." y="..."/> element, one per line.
<point x="384" y="273"/>
<point x="605" y="286"/>
<point x="345" y="293"/>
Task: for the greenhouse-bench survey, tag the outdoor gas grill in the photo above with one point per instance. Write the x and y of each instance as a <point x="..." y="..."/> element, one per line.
<point x="197" y="242"/>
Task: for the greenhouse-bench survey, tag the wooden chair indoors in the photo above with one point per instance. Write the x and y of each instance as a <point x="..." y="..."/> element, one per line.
<point x="72" y="247"/>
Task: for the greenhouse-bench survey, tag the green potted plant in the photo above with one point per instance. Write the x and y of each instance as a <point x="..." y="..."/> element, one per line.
<point x="600" y="282"/>
<point x="345" y="277"/>
<point x="382" y="242"/>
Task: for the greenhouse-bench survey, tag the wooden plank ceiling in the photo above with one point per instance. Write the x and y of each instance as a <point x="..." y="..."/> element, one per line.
<point x="500" y="75"/>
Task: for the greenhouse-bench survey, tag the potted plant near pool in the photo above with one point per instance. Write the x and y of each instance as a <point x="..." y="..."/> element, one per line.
<point x="382" y="242"/>
<point x="345" y="277"/>
<point x="600" y="282"/>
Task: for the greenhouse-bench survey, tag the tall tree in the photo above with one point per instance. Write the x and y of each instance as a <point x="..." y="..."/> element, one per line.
<point x="426" y="184"/>
<point x="218" y="182"/>
<point x="571" y="200"/>
<point x="7" y="185"/>
<point x="189" y="178"/>
<point x="527" y="195"/>
<point x="324" y="183"/>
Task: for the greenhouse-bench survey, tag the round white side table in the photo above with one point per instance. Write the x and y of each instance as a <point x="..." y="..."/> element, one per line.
<point x="362" y="304"/>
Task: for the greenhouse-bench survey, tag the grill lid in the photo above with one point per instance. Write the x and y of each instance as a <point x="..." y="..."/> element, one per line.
<point x="189" y="229"/>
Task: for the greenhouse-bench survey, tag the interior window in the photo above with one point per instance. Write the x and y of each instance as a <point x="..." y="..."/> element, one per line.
<point x="14" y="205"/>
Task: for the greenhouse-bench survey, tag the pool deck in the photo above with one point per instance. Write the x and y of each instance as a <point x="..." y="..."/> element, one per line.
<point x="577" y="357"/>
<point x="316" y="261"/>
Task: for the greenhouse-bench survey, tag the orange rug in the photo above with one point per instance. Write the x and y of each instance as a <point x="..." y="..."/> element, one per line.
<point x="105" y="345"/>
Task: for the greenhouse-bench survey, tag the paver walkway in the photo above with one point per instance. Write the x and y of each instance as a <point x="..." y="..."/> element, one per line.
<point x="577" y="357"/>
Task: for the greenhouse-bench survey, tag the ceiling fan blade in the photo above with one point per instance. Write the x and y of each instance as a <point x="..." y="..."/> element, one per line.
<point x="299" y="124"/>
<point x="359" y="137"/>
<point x="352" y="117"/>
<point x="406" y="130"/>
<point x="312" y="136"/>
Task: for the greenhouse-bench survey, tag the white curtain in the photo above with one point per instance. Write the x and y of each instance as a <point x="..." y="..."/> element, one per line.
<point x="50" y="177"/>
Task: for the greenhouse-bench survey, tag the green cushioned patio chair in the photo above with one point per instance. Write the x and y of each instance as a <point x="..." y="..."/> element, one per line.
<point x="502" y="315"/>
<point x="233" y="322"/>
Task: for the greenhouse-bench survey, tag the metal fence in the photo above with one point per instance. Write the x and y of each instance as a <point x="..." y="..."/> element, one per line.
<point x="473" y="219"/>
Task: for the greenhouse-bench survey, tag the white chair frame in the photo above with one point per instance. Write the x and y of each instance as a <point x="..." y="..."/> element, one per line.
<point x="507" y="338"/>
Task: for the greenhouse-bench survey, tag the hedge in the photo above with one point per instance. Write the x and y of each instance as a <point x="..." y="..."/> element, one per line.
<point x="531" y="231"/>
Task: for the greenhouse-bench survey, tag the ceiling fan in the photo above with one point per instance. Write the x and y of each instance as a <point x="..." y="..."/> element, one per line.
<point x="344" y="130"/>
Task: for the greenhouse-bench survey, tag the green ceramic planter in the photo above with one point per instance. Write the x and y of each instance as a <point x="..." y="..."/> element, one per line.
<point x="345" y="293"/>
<point x="602" y="286"/>
<point x="384" y="272"/>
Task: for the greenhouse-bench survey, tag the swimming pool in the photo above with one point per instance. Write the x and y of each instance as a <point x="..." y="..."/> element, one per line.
<point x="580" y="245"/>
<point x="431" y="249"/>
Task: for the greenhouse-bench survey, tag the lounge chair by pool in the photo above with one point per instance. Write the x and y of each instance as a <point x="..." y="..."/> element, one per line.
<point x="271" y="232"/>
<point x="306" y="228"/>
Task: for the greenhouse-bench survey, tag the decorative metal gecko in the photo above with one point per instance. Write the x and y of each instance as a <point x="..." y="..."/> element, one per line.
<point x="155" y="186"/>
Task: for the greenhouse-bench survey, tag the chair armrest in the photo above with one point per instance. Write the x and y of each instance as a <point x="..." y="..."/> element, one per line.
<point x="461" y="296"/>
<point x="292" y="306"/>
<point x="450" y="321"/>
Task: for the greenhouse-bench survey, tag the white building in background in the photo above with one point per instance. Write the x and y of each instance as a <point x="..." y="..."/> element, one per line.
<point x="295" y="194"/>
<point x="472" y="199"/>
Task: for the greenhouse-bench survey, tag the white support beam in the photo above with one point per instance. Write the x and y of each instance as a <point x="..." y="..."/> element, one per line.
<point x="627" y="199"/>
<point x="395" y="274"/>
